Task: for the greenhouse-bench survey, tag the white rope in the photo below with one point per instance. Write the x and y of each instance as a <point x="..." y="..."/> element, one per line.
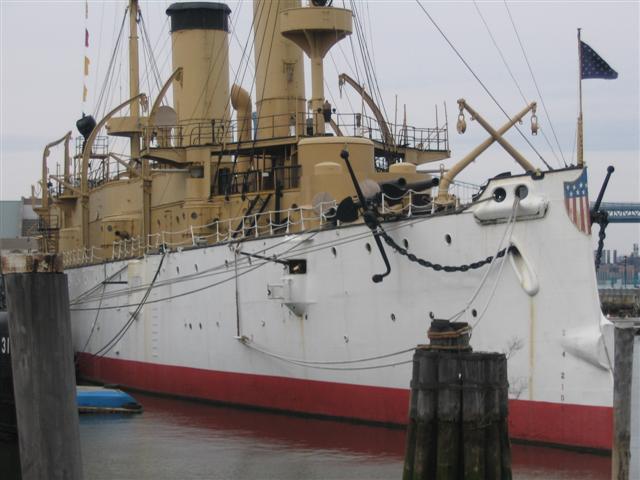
<point x="498" y="277"/>
<point x="321" y="367"/>
<point x="506" y="235"/>
<point x="251" y="344"/>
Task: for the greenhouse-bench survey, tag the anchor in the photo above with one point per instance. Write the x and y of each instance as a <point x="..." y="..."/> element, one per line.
<point x="601" y="217"/>
<point x="369" y="215"/>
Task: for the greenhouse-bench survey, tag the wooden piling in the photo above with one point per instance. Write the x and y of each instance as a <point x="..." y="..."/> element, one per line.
<point x="42" y="364"/>
<point x="458" y="410"/>
<point x="624" y="334"/>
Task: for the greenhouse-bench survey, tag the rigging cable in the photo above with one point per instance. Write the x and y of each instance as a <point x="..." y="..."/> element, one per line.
<point x="287" y="254"/>
<point x="544" y="106"/>
<point x="106" y="86"/>
<point x="250" y="343"/>
<point x="316" y="366"/>
<point x="190" y="292"/>
<point x="121" y="333"/>
<point x="95" y="85"/>
<point x="480" y="81"/>
<point x="515" y="81"/>
<point x="95" y="320"/>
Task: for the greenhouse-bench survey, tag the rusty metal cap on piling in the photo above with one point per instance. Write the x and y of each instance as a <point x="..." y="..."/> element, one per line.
<point x="32" y="263"/>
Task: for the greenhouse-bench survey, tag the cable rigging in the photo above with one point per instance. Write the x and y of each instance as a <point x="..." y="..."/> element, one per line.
<point x="466" y="64"/>
<point x="121" y="333"/>
<point x="524" y="53"/>
<point x="515" y="81"/>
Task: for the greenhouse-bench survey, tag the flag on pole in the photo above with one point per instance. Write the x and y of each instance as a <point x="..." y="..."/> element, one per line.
<point x="86" y="9"/>
<point x="593" y="66"/>
<point x="85" y="92"/>
<point x="86" y="66"/>
<point x="86" y="37"/>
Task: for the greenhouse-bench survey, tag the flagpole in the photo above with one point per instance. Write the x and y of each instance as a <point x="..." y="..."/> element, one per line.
<point x="580" y="137"/>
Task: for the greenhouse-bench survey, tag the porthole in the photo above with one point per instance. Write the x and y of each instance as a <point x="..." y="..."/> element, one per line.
<point x="431" y="315"/>
<point x="368" y="247"/>
<point x="405" y="242"/>
<point x="474" y="312"/>
<point x="194" y="215"/>
<point x="522" y="191"/>
<point x="334" y="251"/>
<point x="393" y="317"/>
<point x="447" y="238"/>
<point x="499" y="194"/>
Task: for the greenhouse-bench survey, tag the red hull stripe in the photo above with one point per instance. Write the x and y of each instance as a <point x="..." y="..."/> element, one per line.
<point x="555" y="423"/>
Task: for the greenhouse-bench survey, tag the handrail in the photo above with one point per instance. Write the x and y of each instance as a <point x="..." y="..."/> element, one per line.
<point x="221" y="131"/>
<point x="256" y="225"/>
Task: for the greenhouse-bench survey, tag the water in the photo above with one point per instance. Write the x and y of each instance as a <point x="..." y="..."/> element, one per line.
<point x="184" y="440"/>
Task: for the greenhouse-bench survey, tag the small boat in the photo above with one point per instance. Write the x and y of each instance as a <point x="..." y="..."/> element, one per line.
<point x="93" y="399"/>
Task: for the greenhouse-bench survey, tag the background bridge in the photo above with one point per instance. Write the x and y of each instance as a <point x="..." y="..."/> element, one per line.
<point x="621" y="212"/>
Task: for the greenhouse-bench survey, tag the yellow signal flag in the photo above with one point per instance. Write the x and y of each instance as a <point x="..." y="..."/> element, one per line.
<point x="85" y="92"/>
<point x="86" y="66"/>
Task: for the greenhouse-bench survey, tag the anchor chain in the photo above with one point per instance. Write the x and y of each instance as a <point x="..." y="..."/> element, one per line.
<point x="436" y="266"/>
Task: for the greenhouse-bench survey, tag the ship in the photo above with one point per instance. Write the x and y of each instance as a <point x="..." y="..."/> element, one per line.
<point x="275" y="253"/>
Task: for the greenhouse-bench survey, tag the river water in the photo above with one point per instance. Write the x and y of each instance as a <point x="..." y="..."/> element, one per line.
<point x="185" y="440"/>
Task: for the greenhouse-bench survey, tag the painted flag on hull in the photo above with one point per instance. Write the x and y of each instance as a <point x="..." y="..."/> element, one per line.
<point x="576" y="201"/>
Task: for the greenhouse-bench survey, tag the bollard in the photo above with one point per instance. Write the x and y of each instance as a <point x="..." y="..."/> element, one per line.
<point x="458" y="412"/>
<point x="42" y="365"/>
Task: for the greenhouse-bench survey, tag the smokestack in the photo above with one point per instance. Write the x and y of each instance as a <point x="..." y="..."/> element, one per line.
<point x="200" y="45"/>
<point x="280" y="99"/>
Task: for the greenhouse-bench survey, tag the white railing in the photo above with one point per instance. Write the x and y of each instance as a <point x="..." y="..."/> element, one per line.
<point x="81" y="256"/>
<point x="260" y="224"/>
<point x="221" y="231"/>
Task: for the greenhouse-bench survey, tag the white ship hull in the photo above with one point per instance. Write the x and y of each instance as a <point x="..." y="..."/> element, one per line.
<point x="265" y="337"/>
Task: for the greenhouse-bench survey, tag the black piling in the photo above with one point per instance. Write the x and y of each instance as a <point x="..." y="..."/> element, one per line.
<point x="42" y="365"/>
<point x="9" y="452"/>
<point x="458" y="413"/>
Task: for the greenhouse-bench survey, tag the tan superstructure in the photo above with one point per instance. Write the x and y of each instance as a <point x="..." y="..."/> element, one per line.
<point x="215" y="166"/>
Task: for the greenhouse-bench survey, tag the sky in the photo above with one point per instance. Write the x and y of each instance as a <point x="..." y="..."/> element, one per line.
<point x="41" y="78"/>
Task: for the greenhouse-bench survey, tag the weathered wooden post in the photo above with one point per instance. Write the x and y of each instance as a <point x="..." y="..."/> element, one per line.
<point x="458" y="411"/>
<point x="624" y="339"/>
<point x="9" y="453"/>
<point x="42" y="364"/>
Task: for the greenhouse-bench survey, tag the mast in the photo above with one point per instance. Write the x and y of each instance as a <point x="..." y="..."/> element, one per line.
<point x="134" y="73"/>
<point x="134" y="91"/>
<point x="580" y="137"/>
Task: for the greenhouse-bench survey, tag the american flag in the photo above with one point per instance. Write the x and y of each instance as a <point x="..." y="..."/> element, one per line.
<point x="593" y="66"/>
<point x="576" y="201"/>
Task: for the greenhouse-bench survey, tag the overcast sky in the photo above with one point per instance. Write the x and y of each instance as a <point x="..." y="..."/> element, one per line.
<point x="42" y="49"/>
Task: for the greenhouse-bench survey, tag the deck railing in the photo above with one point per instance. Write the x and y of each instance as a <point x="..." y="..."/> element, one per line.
<point x="259" y="225"/>
<point x="223" y="131"/>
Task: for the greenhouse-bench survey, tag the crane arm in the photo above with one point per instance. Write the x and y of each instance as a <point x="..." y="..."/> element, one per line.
<point x="384" y="127"/>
